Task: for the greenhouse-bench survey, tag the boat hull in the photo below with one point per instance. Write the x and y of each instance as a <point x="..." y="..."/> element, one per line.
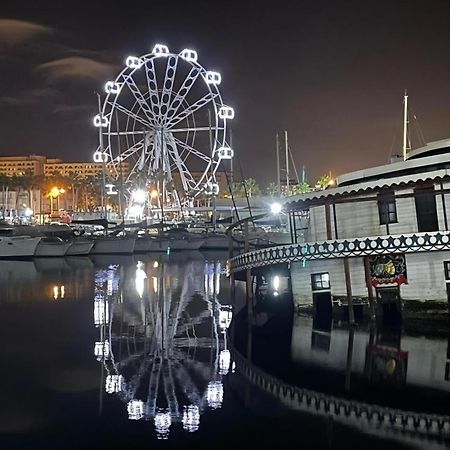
<point x="163" y="244"/>
<point x="106" y="245"/>
<point x="80" y="248"/>
<point x="49" y="249"/>
<point x="18" y="246"/>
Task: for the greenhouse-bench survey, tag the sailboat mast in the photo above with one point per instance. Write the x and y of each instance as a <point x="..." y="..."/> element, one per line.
<point x="277" y="142"/>
<point x="405" y="125"/>
<point x="287" y="161"/>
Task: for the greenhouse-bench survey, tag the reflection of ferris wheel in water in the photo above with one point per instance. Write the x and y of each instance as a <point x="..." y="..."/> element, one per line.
<point x="164" y="117"/>
<point x="160" y="358"/>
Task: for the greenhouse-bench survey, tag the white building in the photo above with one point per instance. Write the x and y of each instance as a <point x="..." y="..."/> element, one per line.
<point x="381" y="233"/>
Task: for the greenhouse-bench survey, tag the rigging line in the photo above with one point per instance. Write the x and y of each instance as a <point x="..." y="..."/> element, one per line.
<point x="293" y="164"/>
<point x="245" y="190"/>
<point x="229" y="181"/>
<point x="418" y="128"/>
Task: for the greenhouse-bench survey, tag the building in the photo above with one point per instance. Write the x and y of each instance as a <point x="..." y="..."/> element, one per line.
<point x="21" y="165"/>
<point x="81" y="169"/>
<point x="381" y="236"/>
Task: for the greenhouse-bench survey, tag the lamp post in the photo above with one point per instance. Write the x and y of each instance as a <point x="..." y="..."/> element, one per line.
<point x="54" y="193"/>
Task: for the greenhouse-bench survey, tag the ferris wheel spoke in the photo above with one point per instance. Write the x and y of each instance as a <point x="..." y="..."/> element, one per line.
<point x="192" y="150"/>
<point x="210" y="96"/>
<point x="187" y="180"/>
<point x="129" y="113"/>
<point x="189" y="81"/>
<point x="169" y="79"/>
<point x="128" y="79"/>
<point x="150" y="74"/>
<point x="132" y="150"/>
<point x="195" y="129"/>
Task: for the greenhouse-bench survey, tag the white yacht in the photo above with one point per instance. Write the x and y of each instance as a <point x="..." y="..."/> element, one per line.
<point x="52" y="247"/>
<point x="80" y="247"/>
<point x="18" y="246"/>
<point x="112" y="245"/>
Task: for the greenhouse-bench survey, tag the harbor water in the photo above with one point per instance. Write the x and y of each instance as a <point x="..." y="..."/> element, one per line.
<point x="151" y="351"/>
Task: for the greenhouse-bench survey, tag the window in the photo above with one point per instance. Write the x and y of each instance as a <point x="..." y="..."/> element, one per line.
<point x="387" y="208"/>
<point x="426" y="211"/>
<point x="320" y="281"/>
<point x="447" y="270"/>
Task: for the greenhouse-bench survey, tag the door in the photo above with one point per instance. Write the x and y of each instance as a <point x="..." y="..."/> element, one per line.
<point x="426" y="213"/>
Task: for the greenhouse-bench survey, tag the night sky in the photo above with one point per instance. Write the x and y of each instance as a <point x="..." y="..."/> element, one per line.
<point x="331" y="73"/>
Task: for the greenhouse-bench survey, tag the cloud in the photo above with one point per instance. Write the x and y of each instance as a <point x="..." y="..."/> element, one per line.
<point x="14" y="32"/>
<point x="76" y="68"/>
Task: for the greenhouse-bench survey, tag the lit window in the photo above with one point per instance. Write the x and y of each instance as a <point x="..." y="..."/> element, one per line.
<point x="320" y="281"/>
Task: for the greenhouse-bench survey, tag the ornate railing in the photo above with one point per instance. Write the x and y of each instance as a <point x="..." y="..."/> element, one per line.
<point x="403" y="243"/>
<point x="361" y="414"/>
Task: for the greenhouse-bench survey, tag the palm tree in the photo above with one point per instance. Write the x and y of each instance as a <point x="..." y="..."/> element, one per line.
<point x="272" y="189"/>
<point x="251" y="187"/>
<point x="323" y="182"/>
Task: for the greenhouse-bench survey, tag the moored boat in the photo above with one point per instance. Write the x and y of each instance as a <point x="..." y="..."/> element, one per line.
<point x="80" y="247"/>
<point x="51" y="247"/>
<point x="113" y="245"/>
<point x="18" y="246"/>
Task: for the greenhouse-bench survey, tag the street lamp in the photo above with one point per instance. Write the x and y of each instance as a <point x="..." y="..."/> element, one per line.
<point x="54" y="193"/>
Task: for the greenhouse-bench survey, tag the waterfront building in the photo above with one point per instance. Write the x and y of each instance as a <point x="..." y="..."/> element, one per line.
<point x="382" y="233"/>
<point x="21" y="165"/>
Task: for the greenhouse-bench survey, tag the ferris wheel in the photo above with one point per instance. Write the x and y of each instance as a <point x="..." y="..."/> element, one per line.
<point x="163" y="119"/>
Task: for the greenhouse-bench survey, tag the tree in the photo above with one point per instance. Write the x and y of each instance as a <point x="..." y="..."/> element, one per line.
<point x="251" y="187"/>
<point x="272" y="189"/>
<point x="300" y="188"/>
<point x="323" y="182"/>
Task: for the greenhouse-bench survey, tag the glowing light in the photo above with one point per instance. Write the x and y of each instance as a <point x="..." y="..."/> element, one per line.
<point x="211" y="188"/>
<point x="226" y="112"/>
<point x="155" y="264"/>
<point x="140" y="279"/>
<point x="139" y="196"/>
<point x="214" y="394"/>
<point x="162" y="423"/>
<point x="101" y="121"/>
<point x="28" y="212"/>
<point x="225" y="316"/>
<point x="189" y="55"/>
<point x="191" y="418"/>
<point x="135" y="409"/>
<point x="160" y="50"/>
<point x="212" y="77"/>
<point x="155" y="284"/>
<point x="101" y="312"/>
<point x="276" y="208"/>
<point x="111" y="189"/>
<point x="55" y="191"/>
<point x="114" y="383"/>
<point x="154" y="194"/>
<point x="225" y="153"/>
<point x="101" y="350"/>
<point x="276" y="283"/>
<point x="111" y="87"/>
<point x="100" y="157"/>
<point x="133" y="62"/>
<point x="55" y="292"/>
<point x="224" y="362"/>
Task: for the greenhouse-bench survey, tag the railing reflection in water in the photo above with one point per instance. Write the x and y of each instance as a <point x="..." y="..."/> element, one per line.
<point x="162" y="339"/>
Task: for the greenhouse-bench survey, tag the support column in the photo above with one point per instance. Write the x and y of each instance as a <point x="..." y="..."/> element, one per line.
<point x="444" y="209"/>
<point x="348" y="285"/>
<point x="372" y="312"/>
<point x="248" y="278"/>
<point x="328" y="220"/>
<point x="335" y="222"/>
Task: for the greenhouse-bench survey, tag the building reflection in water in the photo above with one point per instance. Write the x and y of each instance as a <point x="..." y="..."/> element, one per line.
<point x="162" y="338"/>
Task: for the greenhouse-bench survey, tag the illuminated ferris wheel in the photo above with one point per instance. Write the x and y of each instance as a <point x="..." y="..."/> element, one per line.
<point x="164" y="117"/>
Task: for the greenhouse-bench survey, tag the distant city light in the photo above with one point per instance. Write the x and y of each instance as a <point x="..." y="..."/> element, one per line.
<point x="276" y="208"/>
<point x="139" y="196"/>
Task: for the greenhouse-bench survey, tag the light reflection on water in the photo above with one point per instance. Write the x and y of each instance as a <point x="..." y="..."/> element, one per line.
<point x="161" y="339"/>
<point x="139" y="341"/>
